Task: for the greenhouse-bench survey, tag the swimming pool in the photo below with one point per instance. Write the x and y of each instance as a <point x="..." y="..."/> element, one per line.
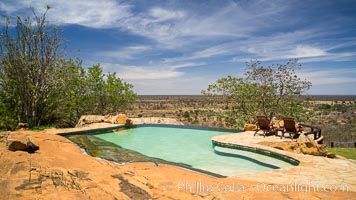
<point x="192" y="147"/>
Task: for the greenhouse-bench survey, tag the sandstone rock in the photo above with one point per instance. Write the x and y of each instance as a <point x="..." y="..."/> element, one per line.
<point x="17" y="146"/>
<point x="308" y="147"/>
<point x="276" y="123"/>
<point x="69" y="174"/>
<point x="121" y="118"/>
<point x="250" y="127"/>
<point x="22" y="126"/>
<point x="89" y="119"/>
<point x="3" y="139"/>
<point x="330" y="155"/>
<point x="303" y="138"/>
<point x="110" y="119"/>
<point x="155" y="120"/>
<point x="128" y="124"/>
<point x="18" y="141"/>
<point x="31" y="148"/>
<point x="306" y="138"/>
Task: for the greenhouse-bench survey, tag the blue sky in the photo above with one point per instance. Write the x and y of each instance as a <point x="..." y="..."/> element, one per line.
<point x="179" y="47"/>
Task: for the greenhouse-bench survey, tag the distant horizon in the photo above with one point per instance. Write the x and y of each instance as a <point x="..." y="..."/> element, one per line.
<point x="180" y="47"/>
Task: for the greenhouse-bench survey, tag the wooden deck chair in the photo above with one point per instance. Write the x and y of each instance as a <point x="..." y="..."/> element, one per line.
<point x="263" y="124"/>
<point x="290" y="127"/>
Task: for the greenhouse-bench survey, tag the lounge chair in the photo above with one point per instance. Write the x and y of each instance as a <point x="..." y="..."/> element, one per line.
<point x="290" y="127"/>
<point x="263" y="124"/>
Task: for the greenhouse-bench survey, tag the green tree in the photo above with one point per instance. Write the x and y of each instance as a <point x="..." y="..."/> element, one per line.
<point x="265" y="89"/>
<point x="106" y="93"/>
<point x="118" y="94"/>
<point x="95" y="89"/>
<point x="91" y="92"/>
<point x="278" y="87"/>
<point x="39" y="86"/>
<point x="72" y="99"/>
<point x="28" y="65"/>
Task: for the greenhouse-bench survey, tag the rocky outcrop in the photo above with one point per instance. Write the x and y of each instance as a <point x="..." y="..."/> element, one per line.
<point x="86" y="120"/>
<point x="303" y="145"/>
<point x="155" y="120"/>
<point x="19" y="141"/>
<point x="89" y="119"/>
<point x="22" y="126"/>
<point x="112" y="119"/>
<point x="250" y="127"/>
<point x="17" y="146"/>
<point x="62" y="171"/>
<point x="115" y="119"/>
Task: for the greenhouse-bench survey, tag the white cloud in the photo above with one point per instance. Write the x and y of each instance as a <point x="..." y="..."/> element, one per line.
<point x="246" y="30"/>
<point x="91" y="13"/>
<point x="333" y="57"/>
<point x="218" y="50"/>
<point x="329" y="76"/>
<point x="8" y="8"/>
<point x="148" y="72"/>
<point x="290" y="45"/>
<point x="275" y="47"/>
<point x="171" y="86"/>
<point x="302" y="51"/>
<point x="126" y="53"/>
<point x="188" y="64"/>
<point x="141" y="72"/>
<point x="193" y="31"/>
<point x="161" y="14"/>
<point x="157" y="24"/>
<point x="177" y="28"/>
<point x="137" y="72"/>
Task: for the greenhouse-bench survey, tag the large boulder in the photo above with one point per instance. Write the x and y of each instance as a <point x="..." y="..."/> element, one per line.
<point x="16" y="141"/>
<point x="91" y="119"/>
<point x="303" y="145"/>
<point x="155" y="120"/>
<point x="116" y="119"/>
<point x="121" y="118"/>
<point x="250" y="127"/>
<point x="22" y="126"/>
<point x="19" y="141"/>
<point x="31" y="147"/>
<point x="17" y="146"/>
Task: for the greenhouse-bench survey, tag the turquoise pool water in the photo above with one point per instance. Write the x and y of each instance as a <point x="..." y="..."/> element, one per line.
<point x="192" y="147"/>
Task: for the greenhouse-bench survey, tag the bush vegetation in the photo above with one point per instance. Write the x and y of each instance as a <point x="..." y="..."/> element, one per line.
<point x="266" y="89"/>
<point x="40" y="86"/>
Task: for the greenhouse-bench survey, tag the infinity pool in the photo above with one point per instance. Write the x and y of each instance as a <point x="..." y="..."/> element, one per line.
<point x="192" y="147"/>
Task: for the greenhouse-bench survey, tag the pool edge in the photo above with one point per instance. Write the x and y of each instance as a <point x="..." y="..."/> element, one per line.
<point x="262" y="151"/>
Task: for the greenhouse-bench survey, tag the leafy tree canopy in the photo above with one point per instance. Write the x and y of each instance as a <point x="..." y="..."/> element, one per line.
<point x="265" y="89"/>
<point x="39" y="86"/>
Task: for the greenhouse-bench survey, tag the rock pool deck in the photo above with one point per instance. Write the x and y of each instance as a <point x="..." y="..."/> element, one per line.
<point x="90" y="127"/>
<point x="104" y="125"/>
<point x="60" y="170"/>
<point x="312" y="170"/>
